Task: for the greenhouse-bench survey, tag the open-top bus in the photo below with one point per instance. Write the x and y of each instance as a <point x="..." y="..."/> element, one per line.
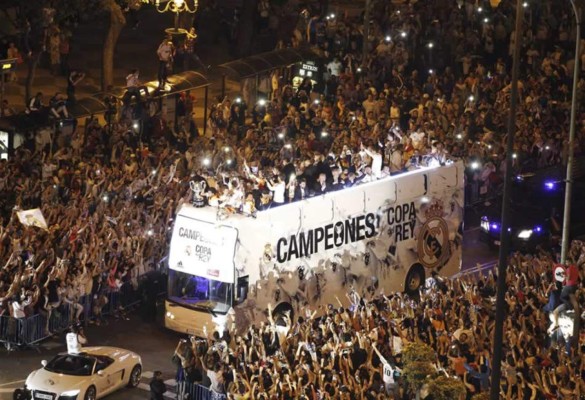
<point x="388" y="234"/>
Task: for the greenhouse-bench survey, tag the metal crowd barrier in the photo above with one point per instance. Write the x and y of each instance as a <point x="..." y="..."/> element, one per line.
<point x="30" y="330"/>
<point x="195" y="391"/>
<point x="15" y="332"/>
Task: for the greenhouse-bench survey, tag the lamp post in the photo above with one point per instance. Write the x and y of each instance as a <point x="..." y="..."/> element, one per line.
<point x="569" y="177"/>
<point x="505" y="236"/>
<point x="177" y="7"/>
<point x="366" y="41"/>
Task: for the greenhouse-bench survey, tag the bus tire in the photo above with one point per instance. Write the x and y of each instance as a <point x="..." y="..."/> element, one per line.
<point x="281" y="310"/>
<point x="414" y="279"/>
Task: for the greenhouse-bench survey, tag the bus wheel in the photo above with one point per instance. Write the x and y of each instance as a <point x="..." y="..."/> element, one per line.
<point x="414" y="279"/>
<point x="281" y="310"/>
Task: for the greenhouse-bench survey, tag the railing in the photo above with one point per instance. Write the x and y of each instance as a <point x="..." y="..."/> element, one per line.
<point x="195" y="391"/>
<point x="27" y="331"/>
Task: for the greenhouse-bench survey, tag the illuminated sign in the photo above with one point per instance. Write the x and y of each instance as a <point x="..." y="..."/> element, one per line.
<point x="8" y="65"/>
<point x="309" y="67"/>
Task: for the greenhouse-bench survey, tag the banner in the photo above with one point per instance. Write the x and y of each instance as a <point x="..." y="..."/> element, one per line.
<point x="203" y="249"/>
<point x="33" y="217"/>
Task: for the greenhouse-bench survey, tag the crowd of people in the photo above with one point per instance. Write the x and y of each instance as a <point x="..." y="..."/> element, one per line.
<point x="356" y="352"/>
<point x="434" y="85"/>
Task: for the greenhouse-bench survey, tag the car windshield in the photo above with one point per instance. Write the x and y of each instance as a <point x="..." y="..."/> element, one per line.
<point x="69" y="364"/>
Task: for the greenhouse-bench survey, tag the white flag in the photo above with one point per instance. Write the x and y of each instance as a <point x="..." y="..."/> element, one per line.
<point x="33" y="217"/>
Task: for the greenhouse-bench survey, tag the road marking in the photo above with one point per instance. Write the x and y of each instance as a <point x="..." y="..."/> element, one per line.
<point x="477" y="268"/>
<point x="171" y="382"/>
<point x="148" y="374"/>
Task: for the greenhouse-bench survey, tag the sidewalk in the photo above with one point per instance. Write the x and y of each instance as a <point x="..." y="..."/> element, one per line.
<point x="136" y="48"/>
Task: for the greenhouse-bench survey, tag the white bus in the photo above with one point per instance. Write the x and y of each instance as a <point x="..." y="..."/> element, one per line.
<point x="389" y="234"/>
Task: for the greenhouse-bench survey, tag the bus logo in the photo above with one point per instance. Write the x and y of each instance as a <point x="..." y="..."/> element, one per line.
<point x="433" y="243"/>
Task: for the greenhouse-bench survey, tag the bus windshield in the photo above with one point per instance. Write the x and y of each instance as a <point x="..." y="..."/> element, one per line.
<point x="200" y="293"/>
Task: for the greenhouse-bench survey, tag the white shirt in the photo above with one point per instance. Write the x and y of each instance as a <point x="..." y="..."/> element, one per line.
<point x="278" y="192"/>
<point x="18" y="308"/>
<point x="388" y="372"/>
<point x="396" y="344"/>
<point x="335" y="67"/>
<point x="74" y="342"/>
<point x="214" y="379"/>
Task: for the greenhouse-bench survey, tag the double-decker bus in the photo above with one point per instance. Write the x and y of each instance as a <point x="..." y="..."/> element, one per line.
<point x="389" y="235"/>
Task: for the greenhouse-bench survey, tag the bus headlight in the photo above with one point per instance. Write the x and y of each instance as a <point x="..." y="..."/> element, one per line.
<point x="525" y="234"/>
<point x="170" y="315"/>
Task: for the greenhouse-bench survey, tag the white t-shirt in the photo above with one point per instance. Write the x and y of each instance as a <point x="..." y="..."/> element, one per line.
<point x="388" y="372"/>
<point x="214" y="379"/>
<point x="278" y="192"/>
<point x="335" y="67"/>
<point x="73" y="343"/>
<point x="397" y="344"/>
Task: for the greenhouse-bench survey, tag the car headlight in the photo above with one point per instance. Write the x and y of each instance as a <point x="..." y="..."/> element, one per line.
<point x="525" y="234"/>
<point x="485" y="225"/>
<point x="70" y="393"/>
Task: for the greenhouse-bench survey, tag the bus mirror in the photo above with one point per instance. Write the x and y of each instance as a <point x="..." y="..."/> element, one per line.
<point x="242" y="289"/>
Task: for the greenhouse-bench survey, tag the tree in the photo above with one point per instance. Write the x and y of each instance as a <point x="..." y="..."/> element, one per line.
<point x="117" y="23"/>
<point x="246" y="27"/>
<point x="446" y="388"/>
<point x="418" y="359"/>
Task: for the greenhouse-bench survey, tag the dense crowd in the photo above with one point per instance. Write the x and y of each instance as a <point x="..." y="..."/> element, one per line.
<point x="356" y="352"/>
<point x="435" y="85"/>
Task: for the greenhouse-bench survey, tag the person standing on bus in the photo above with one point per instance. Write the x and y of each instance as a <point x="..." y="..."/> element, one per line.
<point x="376" y="160"/>
<point x="277" y="187"/>
<point x="165" y="53"/>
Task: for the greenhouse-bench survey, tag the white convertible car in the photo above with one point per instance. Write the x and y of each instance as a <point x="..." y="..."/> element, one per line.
<point x="89" y="375"/>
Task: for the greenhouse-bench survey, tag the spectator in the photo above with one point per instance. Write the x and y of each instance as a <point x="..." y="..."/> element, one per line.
<point x="165" y="53"/>
<point x="157" y="386"/>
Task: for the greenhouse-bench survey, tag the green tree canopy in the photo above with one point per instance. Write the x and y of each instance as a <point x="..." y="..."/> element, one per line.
<point x="446" y="388"/>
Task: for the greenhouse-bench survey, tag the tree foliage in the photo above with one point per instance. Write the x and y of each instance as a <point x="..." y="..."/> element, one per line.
<point x="446" y="388"/>
<point x="416" y="373"/>
<point x="418" y="351"/>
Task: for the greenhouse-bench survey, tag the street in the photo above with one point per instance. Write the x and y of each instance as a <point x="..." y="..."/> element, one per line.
<point x="152" y="342"/>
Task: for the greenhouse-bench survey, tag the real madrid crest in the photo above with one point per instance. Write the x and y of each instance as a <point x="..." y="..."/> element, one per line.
<point x="433" y="242"/>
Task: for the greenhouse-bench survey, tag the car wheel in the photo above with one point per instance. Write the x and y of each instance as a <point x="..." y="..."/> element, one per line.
<point x="90" y="394"/>
<point x="414" y="279"/>
<point x="135" y="376"/>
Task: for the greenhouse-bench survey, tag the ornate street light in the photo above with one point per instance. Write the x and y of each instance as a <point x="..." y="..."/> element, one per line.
<point x="177" y="7"/>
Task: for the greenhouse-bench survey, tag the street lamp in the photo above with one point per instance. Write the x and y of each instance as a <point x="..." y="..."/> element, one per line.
<point x="498" y="342"/>
<point x="177" y="7"/>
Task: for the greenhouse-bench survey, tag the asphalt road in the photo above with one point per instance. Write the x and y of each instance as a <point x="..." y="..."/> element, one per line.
<point x="153" y="343"/>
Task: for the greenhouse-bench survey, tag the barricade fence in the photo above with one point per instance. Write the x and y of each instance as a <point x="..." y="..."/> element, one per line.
<point x="59" y="317"/>
<point x="195" y="391"/>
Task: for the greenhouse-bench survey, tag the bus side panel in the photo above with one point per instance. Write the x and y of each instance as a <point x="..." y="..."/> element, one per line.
<point x="416" y="223"/>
